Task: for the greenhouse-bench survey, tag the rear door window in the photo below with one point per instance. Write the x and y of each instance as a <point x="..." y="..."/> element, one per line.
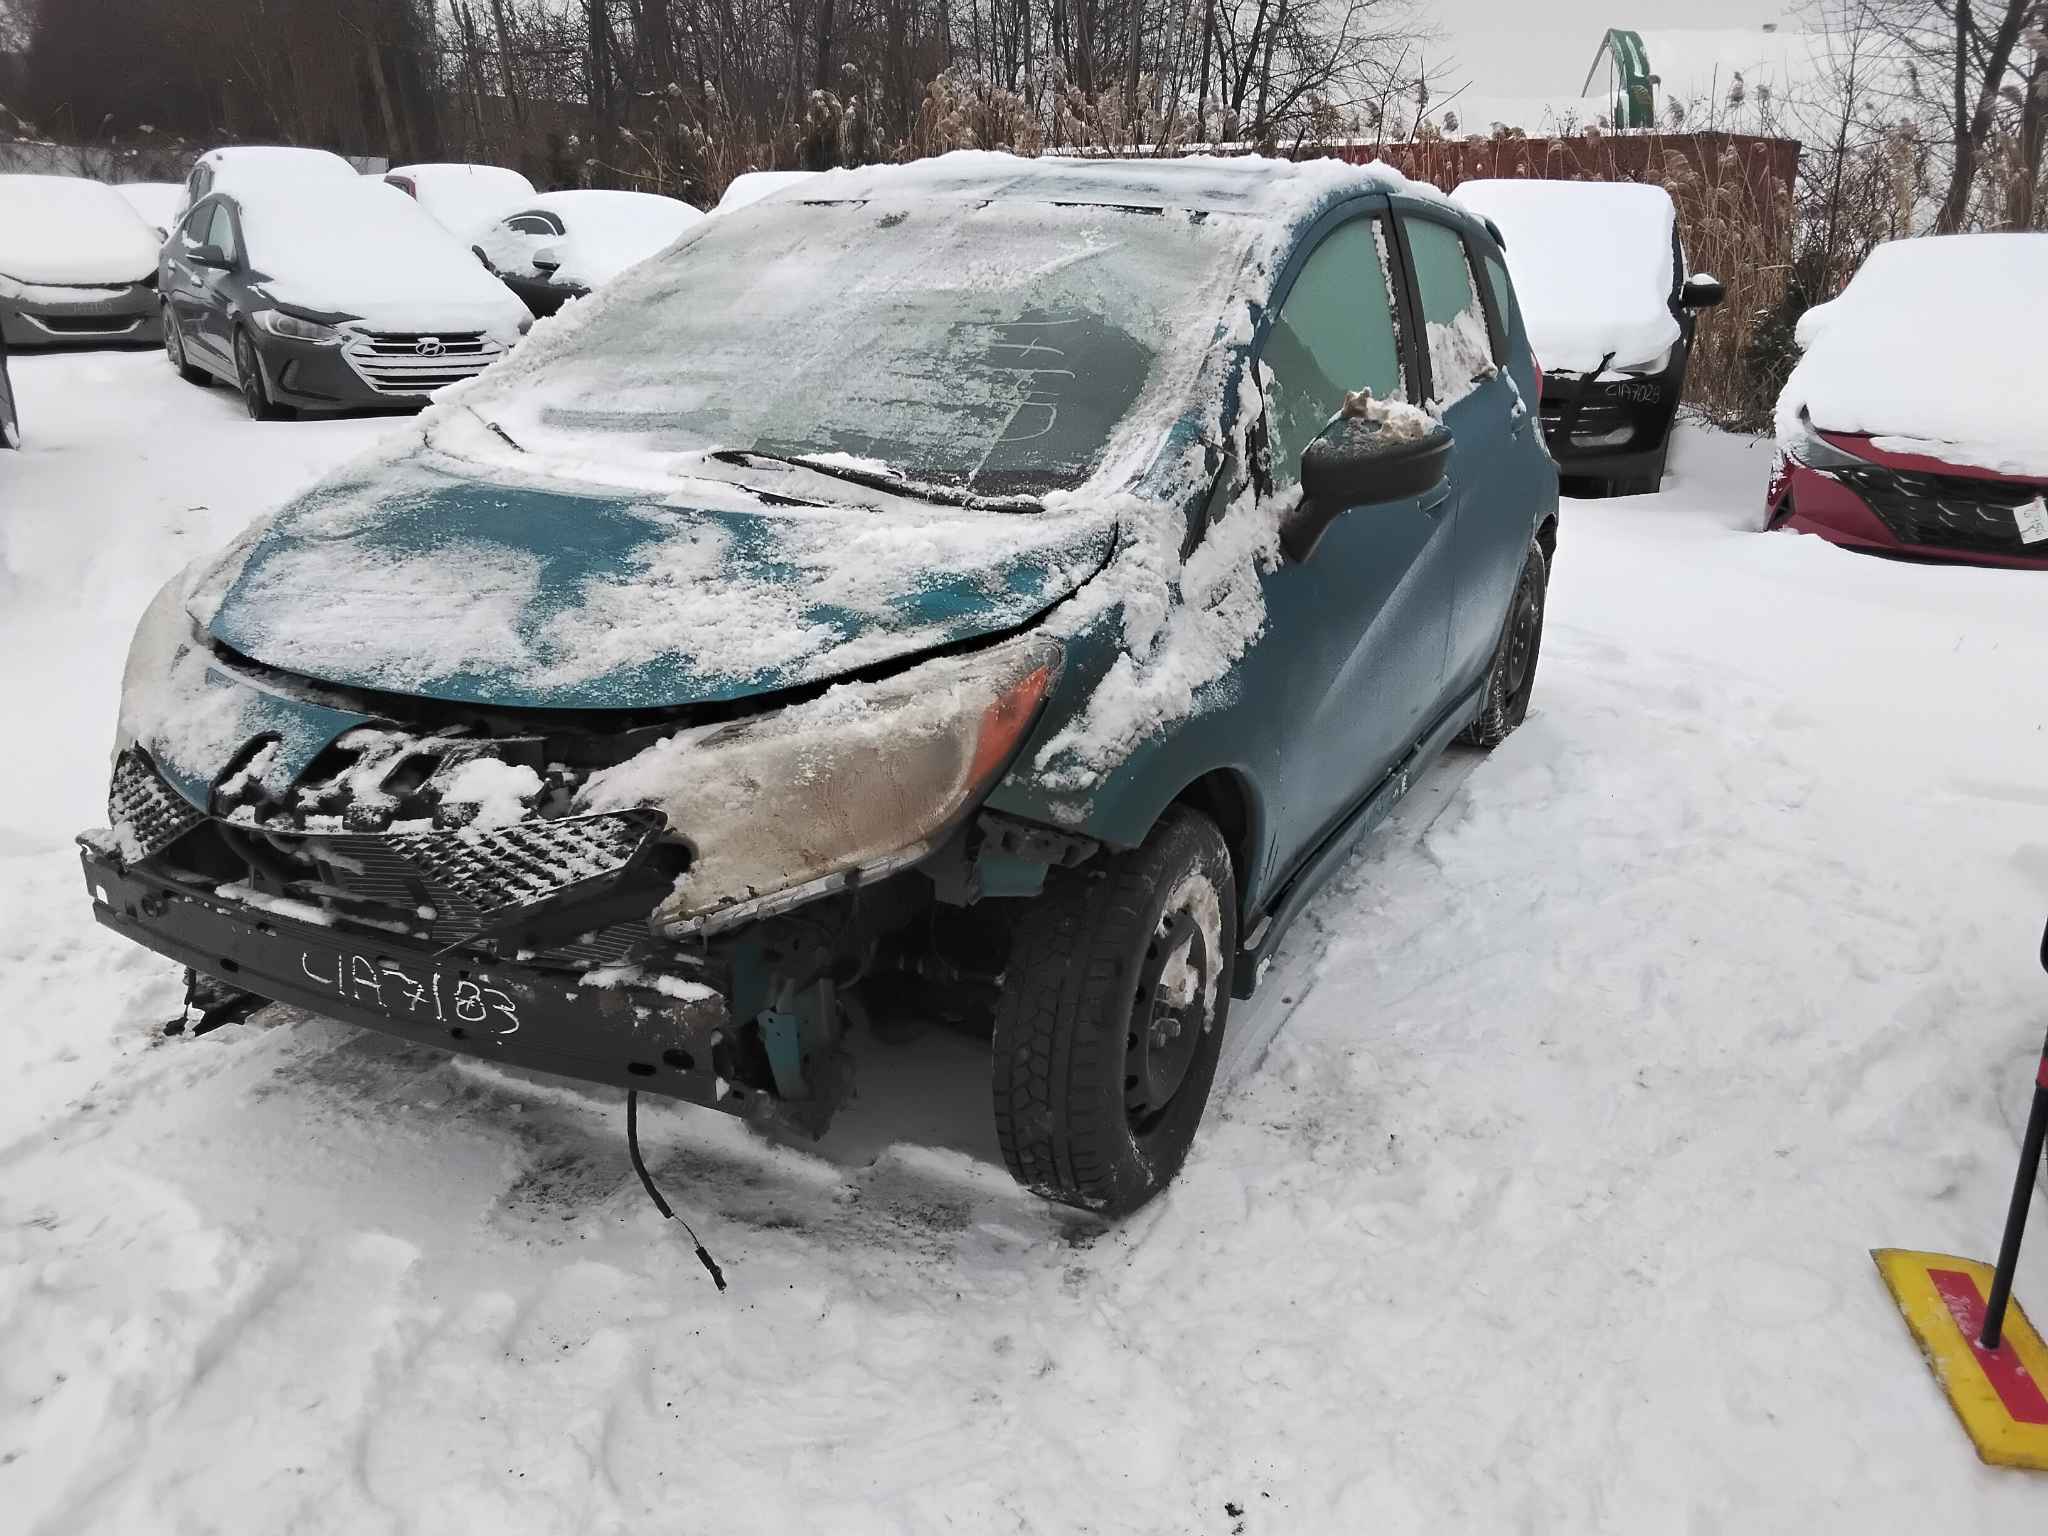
<point x="1334" y="335"/>
<point x="1460" y="344"/>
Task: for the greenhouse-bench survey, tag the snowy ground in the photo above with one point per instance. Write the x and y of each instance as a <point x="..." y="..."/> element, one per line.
<point x="1547" y="1209"/>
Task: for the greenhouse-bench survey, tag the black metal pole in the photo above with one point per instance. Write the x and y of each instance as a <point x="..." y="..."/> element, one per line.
<point x="2016" y="1216"/>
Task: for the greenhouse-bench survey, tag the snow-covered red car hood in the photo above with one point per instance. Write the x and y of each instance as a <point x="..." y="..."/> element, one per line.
<point x="1930" y="350"/>
<point x="417" y="578"/>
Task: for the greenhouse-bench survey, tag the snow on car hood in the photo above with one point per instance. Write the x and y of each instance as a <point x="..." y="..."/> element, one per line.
<point x="417" y="577"/>
<point x="1932" y="348"/>
<point x="1593" y="265"/>
<point x="68" y="230"/>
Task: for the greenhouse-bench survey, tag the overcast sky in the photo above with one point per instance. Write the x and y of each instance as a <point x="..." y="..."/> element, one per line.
<point x="1543" y="47"/>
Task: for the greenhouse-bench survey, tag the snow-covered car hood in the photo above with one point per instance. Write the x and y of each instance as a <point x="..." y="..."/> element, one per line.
<point x="420" y="578"/>
<point x="1929" y="349"/>
<point x="67" y="230"/>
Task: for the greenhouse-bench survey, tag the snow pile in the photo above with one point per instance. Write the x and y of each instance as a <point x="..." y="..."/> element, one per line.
<point x="69" y="230"/>
<point x="603" y="234"/>
<point x="364" y="249"/>
<point x="1594" y="1222"/>
<point x="1593" y="264"/>
<point x="500" y="792"/>
<point x="463" y="198"/>
<point x="156" y="203"/>
<point x="1935" y="345"/>
<point x="752" y="186"/>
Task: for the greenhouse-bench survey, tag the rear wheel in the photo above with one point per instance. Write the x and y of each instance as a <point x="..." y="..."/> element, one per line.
<point x="174" y="349"/>
<point x="1512" y="677"/>
<point x="249" y="379"/>
<point x="1111" y="1018"/>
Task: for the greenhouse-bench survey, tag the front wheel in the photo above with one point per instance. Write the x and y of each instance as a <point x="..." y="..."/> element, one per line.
<point x="249" y="379"/>
<point x="1512" y="676"/>
<point x="1111" y="1018"/>
<point x="174" y="349"/>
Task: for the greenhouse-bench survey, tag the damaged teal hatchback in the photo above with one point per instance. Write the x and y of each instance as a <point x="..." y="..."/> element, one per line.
<point x="987" y="589"/>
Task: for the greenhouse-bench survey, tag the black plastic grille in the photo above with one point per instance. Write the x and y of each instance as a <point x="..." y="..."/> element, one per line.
<point x="491" y="870"/>
<point x="146" y="814"/>
<point x="1945" y="511"/>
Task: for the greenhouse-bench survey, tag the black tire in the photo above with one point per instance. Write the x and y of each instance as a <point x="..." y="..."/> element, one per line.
<point x="174" y="349"/>
<point x="1111" y="1018"/>
<point x="1511" y="677"/>
<point x="254" y="387"/>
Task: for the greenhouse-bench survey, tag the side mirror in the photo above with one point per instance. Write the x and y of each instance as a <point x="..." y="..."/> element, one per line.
<point x="1363" y="461"/>
<point x="209" y="256"/>
<point x="546" y="260"/>
<point x="1702" y="291"/>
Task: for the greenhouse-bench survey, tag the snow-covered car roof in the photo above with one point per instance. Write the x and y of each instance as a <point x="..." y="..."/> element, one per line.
<point x="365" y="249"/>
<point x="156" y="203"/>
<point x="244" y="168"/>
<point x="605" y="233"/>
<point x="1288" y="190"/>
<point x="1594" y="266"/>
<point x="750" y="187"/>
<point x="1935" y="348"/>
<point x="463" y="198"/>
<point x="68" y="229"/>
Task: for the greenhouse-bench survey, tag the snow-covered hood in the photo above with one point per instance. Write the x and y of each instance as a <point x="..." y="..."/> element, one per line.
<point x="1932" y="349"/>
<point x="67" y="230"/>
<point x="420" y="578"/>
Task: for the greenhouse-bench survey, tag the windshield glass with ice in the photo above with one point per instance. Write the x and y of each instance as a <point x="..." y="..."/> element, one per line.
<point x="999" y="347"/>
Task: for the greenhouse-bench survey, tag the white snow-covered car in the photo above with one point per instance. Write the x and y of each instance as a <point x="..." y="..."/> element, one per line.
<point x="77" y="266"/>
<point x="463" y="198"/>
<point x="1601" y="271"/>
<point x="560" y="245"/>
<point x="750" y="187"/>
<point x="324" y="297"/>
<point x="156" y="203"/>
<point x="1914" y="423"/>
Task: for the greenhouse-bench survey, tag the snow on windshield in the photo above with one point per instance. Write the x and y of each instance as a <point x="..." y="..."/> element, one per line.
<point x="66" y="229"/>
<point x="365" y="249"/>
<point x="1935" y="345"/>
<point x="993" y="346"/>
<point x="156" y="203"/>
<point x="1592" y="263"/>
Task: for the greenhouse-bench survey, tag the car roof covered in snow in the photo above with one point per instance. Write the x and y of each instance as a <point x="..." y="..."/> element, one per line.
<point x="245" y="165"/>
<point x="749" y="187"/>
<point x="1292" y="190"/>
<point x="1934" y="346"/>
<point x="68" y="229"/>
<point x="464" y="197"/>
<point x="1593" y="266"/>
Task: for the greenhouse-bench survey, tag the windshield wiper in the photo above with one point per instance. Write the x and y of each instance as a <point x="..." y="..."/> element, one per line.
<point x="942" y="495"/>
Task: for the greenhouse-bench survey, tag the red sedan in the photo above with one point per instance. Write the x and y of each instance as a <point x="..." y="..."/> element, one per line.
<point x="1914" y="423"/>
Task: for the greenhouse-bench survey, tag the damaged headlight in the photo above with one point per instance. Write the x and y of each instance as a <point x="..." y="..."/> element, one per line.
<point x="862" y="781"/>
